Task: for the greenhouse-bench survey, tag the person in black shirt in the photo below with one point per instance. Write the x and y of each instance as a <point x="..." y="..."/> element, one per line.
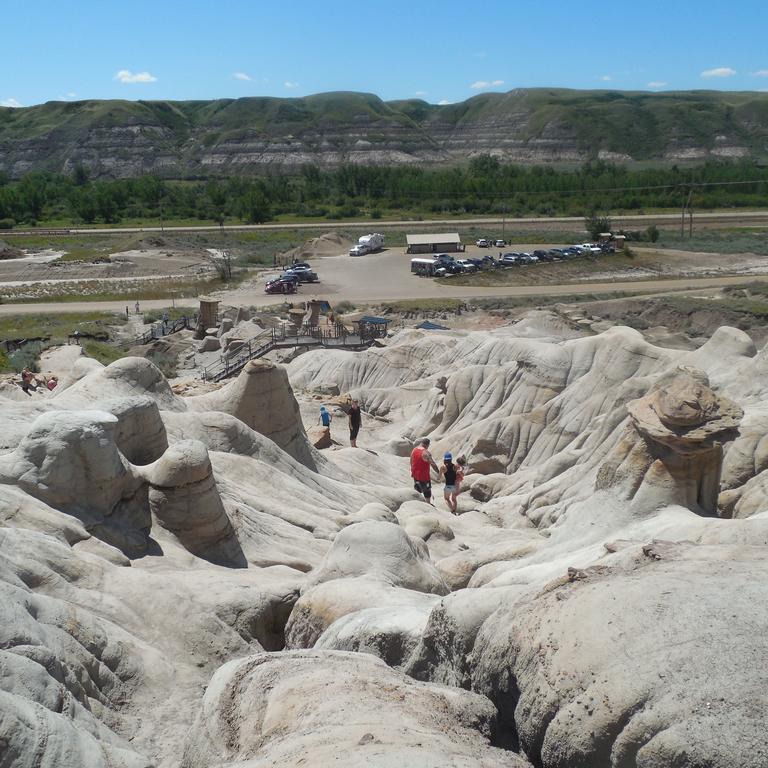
<point x="448" y="473"/>
<point x="355" y="419"/>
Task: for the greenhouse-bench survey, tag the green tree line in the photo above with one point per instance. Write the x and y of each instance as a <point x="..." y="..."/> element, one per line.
<point x="483" y="186"/>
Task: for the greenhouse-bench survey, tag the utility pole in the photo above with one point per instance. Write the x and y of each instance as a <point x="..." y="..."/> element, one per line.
<point x="687" y="208"/>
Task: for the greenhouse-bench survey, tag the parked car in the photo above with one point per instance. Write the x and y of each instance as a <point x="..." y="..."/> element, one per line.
<point x="511" y="259"/>
<point x="479" y="263"/>
<point x="297" y="267"/>
<point x="466" y="265"/>
<point x="500" y="243"/>
<point x="444" y="258"/>
<point x="302" y="275"/>
<point x="483" y="243"/>
<point x="281" y="285"/>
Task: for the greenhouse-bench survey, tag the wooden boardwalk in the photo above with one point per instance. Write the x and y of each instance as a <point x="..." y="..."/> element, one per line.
<point x="308" y="336"/>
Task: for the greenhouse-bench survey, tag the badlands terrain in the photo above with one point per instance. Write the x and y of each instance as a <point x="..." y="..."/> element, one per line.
<point x="187" y="580"/>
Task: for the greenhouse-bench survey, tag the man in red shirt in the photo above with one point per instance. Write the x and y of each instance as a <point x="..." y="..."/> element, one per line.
<point x="421" y="461"/>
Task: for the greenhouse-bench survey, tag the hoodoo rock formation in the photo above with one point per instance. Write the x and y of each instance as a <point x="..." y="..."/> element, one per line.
<point x="188" y="581"/>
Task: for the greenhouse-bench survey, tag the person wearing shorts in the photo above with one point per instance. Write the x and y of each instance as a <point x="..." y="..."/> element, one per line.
<point x="421" y="463"/>
<point x="355" y="420"/>
<point x="448" y="471"/>
<point x="461" y="470"/>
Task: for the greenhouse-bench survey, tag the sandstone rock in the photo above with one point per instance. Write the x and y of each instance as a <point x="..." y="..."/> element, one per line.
<point x="261" y="397"/>
<point x="184" y="499"/>
<point x="380" y="551"/>
<point x="320" y="437"/>
<point x="551" y="666"/>
<point x="209" y="344"/>
<point x="323" y="707"/>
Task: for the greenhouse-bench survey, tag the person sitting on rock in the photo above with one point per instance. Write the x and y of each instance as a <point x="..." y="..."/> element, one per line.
<point x="28" y="381"/>
<point x="448" y="473"/>
<point x="421" y="462"/>
<point x="325" y="417"/>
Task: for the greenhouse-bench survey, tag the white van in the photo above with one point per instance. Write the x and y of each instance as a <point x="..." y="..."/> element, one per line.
<point x="423" y="267"/>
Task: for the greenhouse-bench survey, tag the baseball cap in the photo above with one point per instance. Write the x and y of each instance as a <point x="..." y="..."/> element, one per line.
<point x="448" y="456"/>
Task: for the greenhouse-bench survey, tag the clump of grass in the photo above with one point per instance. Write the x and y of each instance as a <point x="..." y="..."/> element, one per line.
<point x="343" y="307"/>
<point x="101" y="351"/>
<point x="424" y="305"/>
<point x="166" y="362"/>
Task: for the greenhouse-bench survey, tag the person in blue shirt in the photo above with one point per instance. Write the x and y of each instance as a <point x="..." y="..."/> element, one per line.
<point x="325" y="417"/>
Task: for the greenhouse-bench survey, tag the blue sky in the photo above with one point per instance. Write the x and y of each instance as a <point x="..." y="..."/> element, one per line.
<point x="439" y="51"/>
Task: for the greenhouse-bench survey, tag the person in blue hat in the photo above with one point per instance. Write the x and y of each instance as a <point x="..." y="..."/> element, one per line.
<point x="448" y="473"/>
<point x="325" y="417"/>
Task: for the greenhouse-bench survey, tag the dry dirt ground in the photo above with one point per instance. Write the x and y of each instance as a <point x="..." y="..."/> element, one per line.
<point x="386" y="276"/>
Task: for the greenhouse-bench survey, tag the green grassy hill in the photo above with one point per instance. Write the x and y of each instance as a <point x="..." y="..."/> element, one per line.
<point x="205" y="138"/>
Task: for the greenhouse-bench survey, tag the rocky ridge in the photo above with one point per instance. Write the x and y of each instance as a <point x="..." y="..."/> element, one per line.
<point x="246" y="136"/>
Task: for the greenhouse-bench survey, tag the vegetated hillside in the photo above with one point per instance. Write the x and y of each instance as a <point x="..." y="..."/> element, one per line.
<point x="235" y="136"/>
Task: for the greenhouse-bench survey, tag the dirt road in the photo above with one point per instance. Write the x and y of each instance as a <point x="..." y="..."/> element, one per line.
<point x="382" y="289"/>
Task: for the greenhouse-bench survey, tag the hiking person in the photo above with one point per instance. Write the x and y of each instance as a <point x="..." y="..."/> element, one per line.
<point x="325" y="417"/>
<point x="136" y="305"/>
<point x="355" y="420"/>
<point x="448" y="473"/>
<point x="421" y="462"/>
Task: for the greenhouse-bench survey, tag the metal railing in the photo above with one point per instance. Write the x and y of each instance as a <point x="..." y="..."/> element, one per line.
<point x="331" y="337"/>
<point x="158" y="331"/>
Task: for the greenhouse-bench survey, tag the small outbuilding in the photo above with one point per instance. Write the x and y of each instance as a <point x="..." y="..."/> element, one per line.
<point x="442" y="242"/>
<point x="371" y="327"/>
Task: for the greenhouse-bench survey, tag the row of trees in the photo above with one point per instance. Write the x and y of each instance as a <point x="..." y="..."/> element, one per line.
<point x="483" y="186"/>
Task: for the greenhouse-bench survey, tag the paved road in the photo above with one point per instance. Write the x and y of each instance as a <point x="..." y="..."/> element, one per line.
<point x="731" y="218"/>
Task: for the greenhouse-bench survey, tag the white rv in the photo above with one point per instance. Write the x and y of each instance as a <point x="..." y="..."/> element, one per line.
<point x="367" y="244"/>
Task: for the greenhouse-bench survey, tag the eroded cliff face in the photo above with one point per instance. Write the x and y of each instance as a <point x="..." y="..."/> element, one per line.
<point x="247" y="136"/>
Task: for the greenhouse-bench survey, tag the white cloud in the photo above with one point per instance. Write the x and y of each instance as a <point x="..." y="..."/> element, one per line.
<point x="656" y="84"/>
<point x="126" y="76"/>
<point x="71" y="95"/>
<point x="760" y="73"/>
<point x="606" y="78"/>
<point x="10" y="103"/>
<point x="480" y="84"/>
<point x="719" y="72"/>
<point x="420" y="93"/>
<point x="290" y="84"/>
<point x="444" y="102"/>
<point x="241" y="76"/>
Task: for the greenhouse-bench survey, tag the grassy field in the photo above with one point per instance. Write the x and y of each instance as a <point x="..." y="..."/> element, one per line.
<point x="716" y="241"/>
<point x="56" y="329"/>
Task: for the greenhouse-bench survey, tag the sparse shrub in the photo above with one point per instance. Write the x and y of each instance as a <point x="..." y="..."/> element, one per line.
<point x="343" y="307"/>
<point x="652" y="233"/>
<point x="167" y="364"/>
<point x="7" y="223"/>
<point x="595" y="224"/>
<point x="26" y="357"/>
